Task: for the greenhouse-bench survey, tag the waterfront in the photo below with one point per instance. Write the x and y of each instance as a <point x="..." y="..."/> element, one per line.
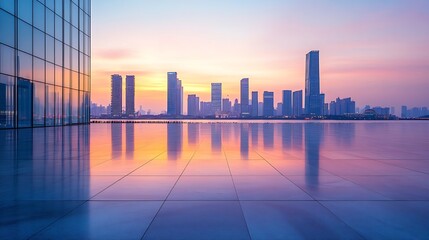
<point x="209" y="180"/>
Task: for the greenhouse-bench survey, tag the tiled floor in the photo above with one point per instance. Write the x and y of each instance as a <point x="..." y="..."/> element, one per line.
<point x="236" y="180"/>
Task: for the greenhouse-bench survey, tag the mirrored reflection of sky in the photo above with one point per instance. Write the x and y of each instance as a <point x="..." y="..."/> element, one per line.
<point x="373" y="51"/>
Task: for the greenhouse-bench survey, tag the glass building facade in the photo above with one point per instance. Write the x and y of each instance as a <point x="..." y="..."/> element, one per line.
<point x="45" y="62"/>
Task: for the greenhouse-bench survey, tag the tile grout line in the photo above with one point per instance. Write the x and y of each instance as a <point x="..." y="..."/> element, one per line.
<point x="165" y="200"/>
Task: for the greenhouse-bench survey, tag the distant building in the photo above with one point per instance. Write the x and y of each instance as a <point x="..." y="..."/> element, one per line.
<point x="313" y="104"/>
<point x="216" y="98"/>
<point x="268" y="104"/>
<point x="297" y="103"/>
<point x="226" y="105"/>
<point x="279" y="109"/>
<point x="205" y="108"/>
<point x="193" y="105"/>
<point x="174" y="94"/>
<point x="404" y="112"/>
<point x="382" y="110"/>
<point x="260" y="109"/>
<point x="254" y="112"/>
<point x="116" y="95"/>
<point x="244" y="97"/>
<point x="287" y="103"/>
<point x="342" y="106"/>
<point x="130" y="95"/>
<point x="236" y="108"/>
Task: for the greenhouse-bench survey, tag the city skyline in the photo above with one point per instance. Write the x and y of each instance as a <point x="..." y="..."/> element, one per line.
<point x="357" y="54"/>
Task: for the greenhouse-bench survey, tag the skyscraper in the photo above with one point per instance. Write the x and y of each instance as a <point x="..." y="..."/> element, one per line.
<point x="130" y="95"/>
<point x="116" y="95"/>
<point x="313" y="103"/>
<point x="244" y="97"/>
<point x="193" y="105"/>
<point x="174" y="94"/>
<point x="287" y="103"/>
<point x="226" y="105"/>
<point x="297" y="103"/>
<point x="268" y="104"/>
<point x="254" y="104"/>
<point x="44" y="67"/>
<point x="216" y="98"/>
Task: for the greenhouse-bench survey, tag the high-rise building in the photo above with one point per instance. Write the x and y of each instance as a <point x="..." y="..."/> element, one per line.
<point x="287" y="103"/>
<point x="130" y="95"/>
<point x="174" y="94"/>
<point x="254" y="112"/>
<point x="244" y="97"/>
<point x="44" y="67"/>
<point x="404" y="111"/>
<point x="297" y="103"/>
<point x="205" y="108"/>
<point x="279" y="109"/>
<point x="313" y="103"/>
<point x="268" y="104"/>
<point x="116" y="95"/>
<point x="342" y="106"/>
<point x="193" y="105"/>
<point x="226" y="105"/>
<point x="216" y="98"/>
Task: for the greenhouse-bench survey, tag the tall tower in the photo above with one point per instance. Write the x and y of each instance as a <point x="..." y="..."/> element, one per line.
<point x="297" y="103"/>
<point x="287" y="103"/>
<point x="130" y="94"/>
<point x="313" y="104"/>
<point x="268" y="104"/>
<point x="244" y="97"/>
<point x="255" y="104"/>
<point x="216" y="97"/>
<point x="172" y="93"/>
<point x="116" y="95"/>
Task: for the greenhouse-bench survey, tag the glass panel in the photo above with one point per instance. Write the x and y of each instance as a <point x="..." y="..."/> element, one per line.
<point x="67" y="30"/>
<point x="58" y="28"/>
<point x="25" y="34"/>
<point x="38" y="104"/>
<point x="80" y="19"/>
<point x="87" y="106"/>
<point x="50" y="4"/>
<point x="39" y="43"/>
<point x="67" y="10"/>
<point x="50" y="105"/>
<point x="75" y="38"/>
<point x="7" y="101"/>
<point x="67" y="78"/>
<point x="8" y="6"/>
<point x="75" y="60"/>
<point x="25" y="66"/>
<point x="75" y="80"/>
<point x="86" y="24"/>
<point x="7" y="60"/>
<point x="50" y="22"/>
<point x="66" y="56"/>
<point x="81" y="82"/>
<point x="25" y="10"/>
<point x="75" y="15"/>
<point x="66" y="106"/>
<point x="84" y="79"/>
<point x="80" y="41"/>
<point x="50" y="47"/>
<point x="58" y="76"/>
<point x="85" y="65"/>
<point x="38" y="70"/>
<point x="58" y="53"/>
<point x="74" y="106"/>
<point x="25" y="93"/>
<point x="7" y="24"/>
<point x="59" y="7"/>
<point x="80" y="62"/>
<point x="39" y="15"/>
<point x="58" y="106"/>
<point x="50" y="73"/>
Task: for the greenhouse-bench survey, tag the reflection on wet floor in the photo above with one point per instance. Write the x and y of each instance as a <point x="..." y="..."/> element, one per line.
<point x="216" y="181"/>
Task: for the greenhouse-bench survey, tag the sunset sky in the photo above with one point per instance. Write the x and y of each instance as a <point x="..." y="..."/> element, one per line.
<point x="377" y="52"/>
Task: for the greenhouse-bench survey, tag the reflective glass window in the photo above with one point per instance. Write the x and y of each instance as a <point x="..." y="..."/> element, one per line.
<point x="7" y="24"/>
<point x="58" y="52"/>
<point x="67" y="10"/>
<point x="39" y="15"/>
<point x="25" y="96"/>
<point x="74" y="15"/>
<point x="25" y="36"/>
<point x="74" y="107"/>
<point x="80" y="62"/>
<point x="66" y="56"/>
<point x="25" y="65"/>
<point x="81" y="107"/>
<point x="75" y="59"/>
<point x="58" y="28"/>
<point x="7" y="60"/>
<point x="39" y="43"/>
<point x="8" y="6"/>
<point x="38" y="104"/>
<point x="81" y="82"/>
<point x="50" y="105"/>
<point x="50" y="4"/>
<point x="74" y="80"/>
<point x="66" y="106"/>
<point x="67" y="76"/>
<point x="50" y="73"/>
<point x="25" y="10"/>
<point x="50" y="49"/>
<point x="59" y="7"/>
<point x="38" y="70"/>
<point x="67" y="30"/>
<point x="58" y="106"/>
<point x="75" y="38"/>
<point x="7" y="101"/>
<point x="50" y="22"/>
<point x="58" y="76"/>
<point x="81" y="19"/>
<point x="80" y="41"/>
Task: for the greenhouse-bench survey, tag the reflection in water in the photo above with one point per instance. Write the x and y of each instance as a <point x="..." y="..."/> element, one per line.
<point x="116" y="137"/>
<point x="297" y="136"/>
<point x="129" y="140"/>
<point x="193" y="134"/>
<point x="286" y="136"/>
<point x="313" y="138"/>
<point x="216" y="137"/>
<point x="268" y="133"/>
<point x="174" y="140"/>
<point x="254" y="128"/>
<point x="244" y="140"/>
